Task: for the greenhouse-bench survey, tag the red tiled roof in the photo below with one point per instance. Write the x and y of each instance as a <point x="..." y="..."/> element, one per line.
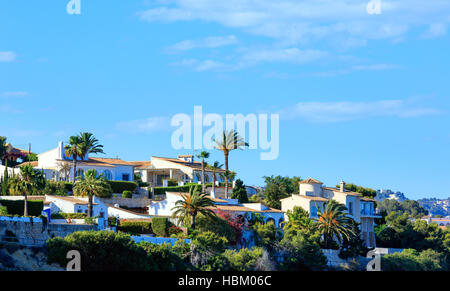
<point x="310" y="181"/>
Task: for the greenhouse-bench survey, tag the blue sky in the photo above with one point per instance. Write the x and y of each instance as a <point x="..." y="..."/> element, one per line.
<point x="364" y="98"/>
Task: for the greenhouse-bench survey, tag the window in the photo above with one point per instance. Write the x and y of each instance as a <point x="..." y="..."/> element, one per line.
<point x="80" y="173"/>
<point x="313" y="210"/>
<point x="126" y="177"/>
<point x="350" y="208"/>
<point x="108" y="174"/>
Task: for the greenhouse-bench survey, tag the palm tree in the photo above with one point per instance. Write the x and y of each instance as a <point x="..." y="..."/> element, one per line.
<point x="89" y="145"/>
<point x="92" y="185"/>
<point x="299" y="219"/>
<point x="203" y="155"/>
<point x="214" y="167"/>
<point x="73" y="149"/>
<point x="333" y="222"/>
<point x="192" y="204"/>
<point x="64" y="168"/>
<point x="24" y="184"/>
<point x="230" y="141"/>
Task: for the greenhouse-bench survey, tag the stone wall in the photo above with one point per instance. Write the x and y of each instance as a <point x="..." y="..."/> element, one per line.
<point x="34" y="233"/>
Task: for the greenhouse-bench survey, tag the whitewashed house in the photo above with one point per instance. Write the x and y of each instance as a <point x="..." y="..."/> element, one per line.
<point x="70" y="204"/>
<point x="227" y="206"/>
<point x="57" y="166"/>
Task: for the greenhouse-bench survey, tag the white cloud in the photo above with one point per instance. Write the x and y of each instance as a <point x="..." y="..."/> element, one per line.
<point x="293" y="21"/>
<point x="435" y="30"/>
<point x="4" y="108"/>
<point x="208" y="42"/>
<point x="13" y="94"/>
<point x="8" y="56"/>
<point x="327" y="112"/>
<point x="150" y="124"/>
<point x="357" y="68"/>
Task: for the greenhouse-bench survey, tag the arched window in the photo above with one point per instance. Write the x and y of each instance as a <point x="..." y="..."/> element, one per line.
<point x="108" y="174"/>
<point x="280" y="223"/>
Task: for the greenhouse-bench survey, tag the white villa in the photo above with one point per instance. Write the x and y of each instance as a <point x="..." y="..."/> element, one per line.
<point x="314" y="195"/>
<point x="57" y="166"/>
<point x="183" y="169"/>
<point x="228" y="206"/>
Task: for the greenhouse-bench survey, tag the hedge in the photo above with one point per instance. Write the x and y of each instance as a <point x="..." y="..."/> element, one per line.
<point x="61" y="215"/>
<point x="136" y="227"/>
<point x="15" y="207"/>
<point x="120" y="186"/>
<point x="183" y="189"/>
<point x="117" y="186"/>
<point x="160" y="225"/>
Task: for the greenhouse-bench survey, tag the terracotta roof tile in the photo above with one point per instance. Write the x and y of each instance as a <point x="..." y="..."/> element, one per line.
<point x="310" y="181"/>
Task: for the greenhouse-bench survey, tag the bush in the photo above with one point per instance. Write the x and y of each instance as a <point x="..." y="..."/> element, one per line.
<point x="55" y="188"/>
<point x="136" y="227"/>
<point x="15" y="207"/>
<point x="127" y="194"/>
<point x="163" y="257"/>
<point x="3" y="210"/>
<point x="210" y="242"/>
<point x="112" y="221"/>
<point x="100" y="251"/>
<point x="162" y="190"/>
<point x="68" y="186"/>
<point x="217" y="225"/>
<point x="61" y="215"/>
<point x="244" y="260"/>
<point x="159" y="226"/>
<point x="120" y="186"/>
<point x="413" y="260"/>
<point x="174" y="230"/>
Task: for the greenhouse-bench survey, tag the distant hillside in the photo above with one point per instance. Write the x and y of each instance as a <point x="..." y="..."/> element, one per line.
<point x="436" y="206"/>
<point x="388" y="194"/>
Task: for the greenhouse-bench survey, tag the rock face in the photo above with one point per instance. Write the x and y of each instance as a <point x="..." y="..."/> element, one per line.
<point x="436" y="206"/>
<point x="25" y="259"/>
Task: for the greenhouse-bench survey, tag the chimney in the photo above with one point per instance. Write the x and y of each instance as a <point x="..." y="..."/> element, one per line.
<point x="342" y="186"/>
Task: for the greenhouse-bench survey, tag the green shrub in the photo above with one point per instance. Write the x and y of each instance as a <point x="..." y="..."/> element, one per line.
<point x="136" y="227"/>
<point x="160" y="225"/>
<point x="162" y="190"/>
<point x="216" y="225"/>
<point x="127" y="194"/>
<point x="15" y="207"/>
<point x="112" y="221"/>
<point x="62" y="215"/>
<point x="243" y="260"/>
<point x="55" y="188"/>
<point x="120" y="186"/>
<point x="3" y="210"/>
<point x="68" y="186"/>
<point x="210" y="242"/>
<point x="413" y="260"/>
<point x="164" y="257"/>
<point x="100" y="251"/>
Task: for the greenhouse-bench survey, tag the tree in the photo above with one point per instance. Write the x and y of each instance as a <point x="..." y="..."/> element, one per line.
<point x="73" y="149"/>
<point x="192" y="204"/>
<point x="3" y="149"/>
<point x="333" y="222"/>
<point x="24" y="185"/>
<point x="4" y="185"/>
<point x="239" y="192"/>
<point x="231" y="140"/>
<point x="203" y="155"/>
<point x="89" y="145"/>
<point x="366" y="192"/>
<point x="273" y="193"/>
<point x="299" y="219"/>
<point x="214" y="167"/>
<point x="92" y="185"/>
<point x="64" y="169"/>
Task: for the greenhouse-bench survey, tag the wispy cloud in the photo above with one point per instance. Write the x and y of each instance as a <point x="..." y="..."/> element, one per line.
<point x="145" y="125"/>
<point x="8" y="56"/>
<point x="4" y="108"/>
<point x="435" y="30"/>
<point x="328" y="112"/>
<point x="293" y="21"/>
<point x="13" y="94"/>
<point x="255" y="57"/>
<point x="208" y="42"/>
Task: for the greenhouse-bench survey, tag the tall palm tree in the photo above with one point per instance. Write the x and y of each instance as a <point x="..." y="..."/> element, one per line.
<point x="333" y="222"/>
<point x="230" y="140"/>
<point x="192" y="204"/>
<point x="91" y="185"/>
<point x="89" y="145"/>
<point x="73" y="149"/>
<point x="64" y="168"/>
<point x="203" y="155"/>
<point x="214" y="167"/>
